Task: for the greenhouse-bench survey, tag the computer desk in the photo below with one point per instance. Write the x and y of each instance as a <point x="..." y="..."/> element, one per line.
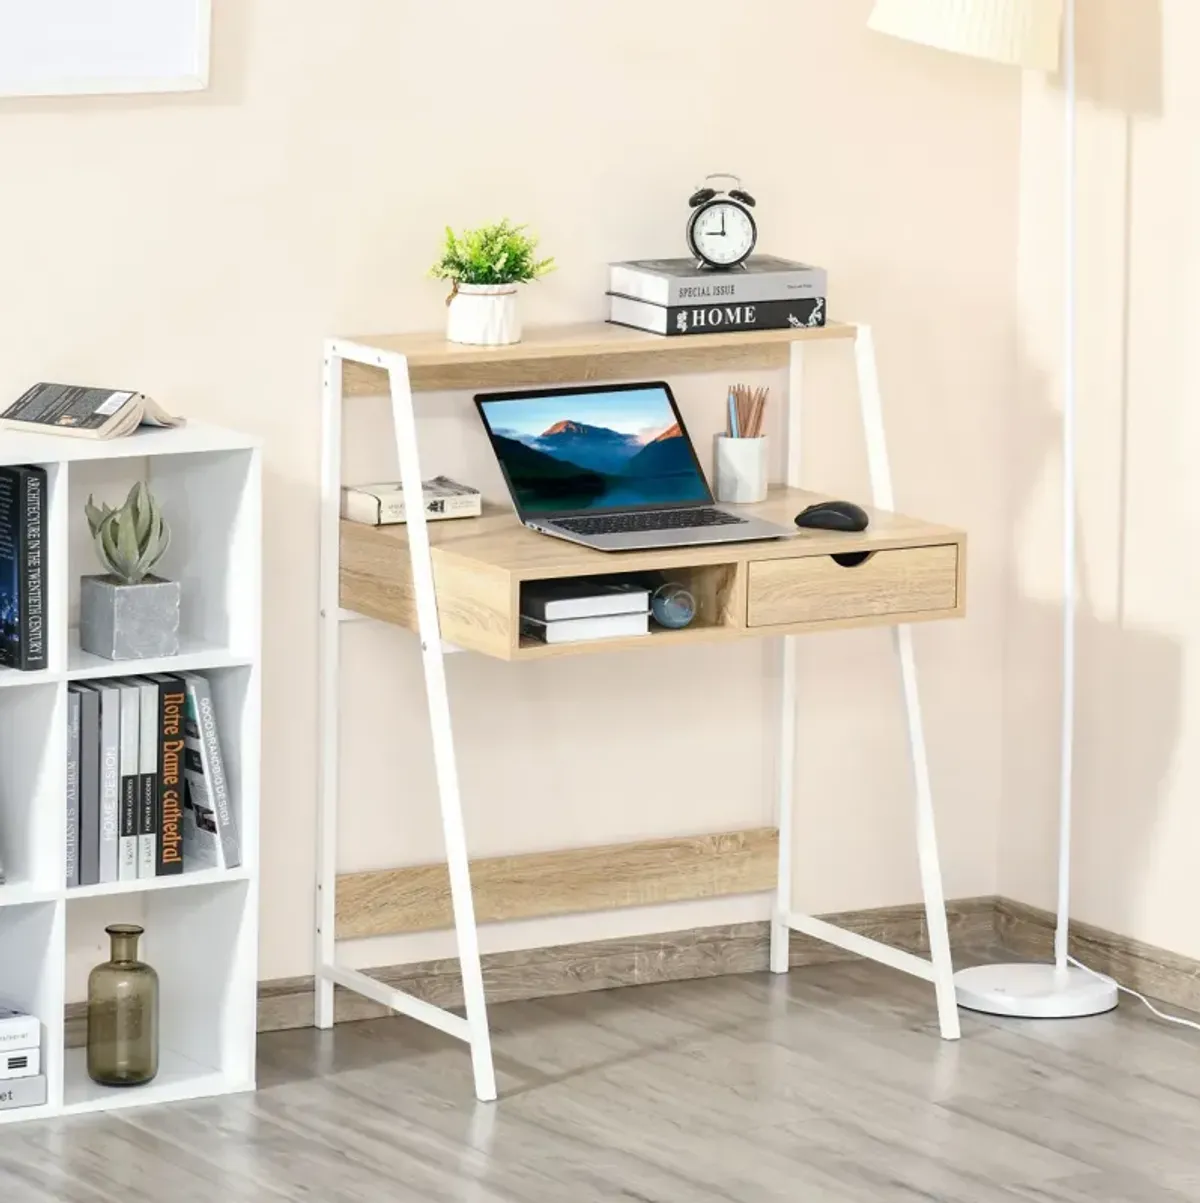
<point x="458" y="586"/>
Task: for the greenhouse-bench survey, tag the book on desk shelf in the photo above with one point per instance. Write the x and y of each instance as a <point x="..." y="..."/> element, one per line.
<point x="383" y="504"/>
<point x="673" y="282"/>
<point x="584" y="630"/>
<point x="83" y="412"/>
<point x="552" y="601"/>
<point x="716" y="317"/>
<point x="23" y="568"/>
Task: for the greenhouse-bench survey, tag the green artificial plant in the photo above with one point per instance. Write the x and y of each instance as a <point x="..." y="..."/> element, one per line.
<point x="498" y="254"/>
<point x="131" y="540"/>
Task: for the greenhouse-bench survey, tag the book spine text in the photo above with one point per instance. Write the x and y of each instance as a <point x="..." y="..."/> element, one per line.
<point x="172" y="709"/>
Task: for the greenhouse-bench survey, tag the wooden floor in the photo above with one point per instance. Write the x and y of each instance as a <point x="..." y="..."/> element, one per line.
<point x="829" y="1085"/>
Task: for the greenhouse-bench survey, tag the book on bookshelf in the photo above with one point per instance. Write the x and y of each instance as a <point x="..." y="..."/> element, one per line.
<point x="92" y="413"/>
<point x="110" y="780"/>
<point x="127" y="831"/>
<point x="23" y="568"/>
<point x="72" y="867"/>
<point x="716" y="318"/>
<point x="23" y="1092"/>
<point x="210" y="828"/>
<point x="89" y="783"/>
<point x="172" y="708"/>
<point x="672" y="282"/>
<point x="147" y="782"/>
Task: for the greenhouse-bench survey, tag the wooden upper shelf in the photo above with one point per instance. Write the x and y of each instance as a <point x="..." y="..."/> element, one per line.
<point x="567" y="354"/>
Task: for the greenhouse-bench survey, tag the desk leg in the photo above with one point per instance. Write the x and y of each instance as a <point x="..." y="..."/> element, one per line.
<point x="445" y="762"/>
<point x="330" y="634"/>
<point x="786" y="792"/>
<point x="927" y="850"/>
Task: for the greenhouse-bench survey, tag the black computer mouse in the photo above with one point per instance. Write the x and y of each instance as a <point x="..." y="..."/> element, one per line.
<point x="833" y="515"/>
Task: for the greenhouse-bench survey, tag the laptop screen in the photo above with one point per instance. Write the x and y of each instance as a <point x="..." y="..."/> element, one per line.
<point x="622" y="448"/>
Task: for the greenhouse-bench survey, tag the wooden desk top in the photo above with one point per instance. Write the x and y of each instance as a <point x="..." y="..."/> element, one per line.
<point x="745" y="590"/>
<point x="574" y="353"/>
<point x="497" y="541"/>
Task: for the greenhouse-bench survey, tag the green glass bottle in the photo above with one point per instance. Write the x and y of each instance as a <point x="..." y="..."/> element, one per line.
<point x="122" y="1015"/>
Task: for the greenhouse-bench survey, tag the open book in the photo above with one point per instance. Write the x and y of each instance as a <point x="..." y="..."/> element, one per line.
<point x="90" y="413"/>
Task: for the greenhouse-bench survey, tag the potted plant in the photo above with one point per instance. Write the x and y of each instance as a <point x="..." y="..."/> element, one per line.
<point x="129" y="614"/>
<point x="484" y="267"/>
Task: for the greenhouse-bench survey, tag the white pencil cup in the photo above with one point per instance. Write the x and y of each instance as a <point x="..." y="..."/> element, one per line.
<point x="740" y="469"/>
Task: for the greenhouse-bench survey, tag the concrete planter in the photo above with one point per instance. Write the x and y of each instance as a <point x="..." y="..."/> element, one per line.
<point x="129" y="622"/>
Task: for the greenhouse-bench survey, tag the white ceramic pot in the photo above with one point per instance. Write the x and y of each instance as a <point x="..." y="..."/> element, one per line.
<point x="484" y="315"/>
<point x="741" y="469"/>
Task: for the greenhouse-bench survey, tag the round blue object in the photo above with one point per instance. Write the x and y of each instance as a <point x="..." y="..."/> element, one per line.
<point x="672" y="606"/>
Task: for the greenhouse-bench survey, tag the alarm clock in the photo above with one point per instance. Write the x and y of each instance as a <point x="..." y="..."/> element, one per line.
<point x="721" y="232"/>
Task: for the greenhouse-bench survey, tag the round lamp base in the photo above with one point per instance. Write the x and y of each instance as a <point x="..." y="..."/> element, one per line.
<point x="1030" y="991"/>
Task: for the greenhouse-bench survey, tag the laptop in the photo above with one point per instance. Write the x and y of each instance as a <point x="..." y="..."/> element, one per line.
<point x="610" y="466"/>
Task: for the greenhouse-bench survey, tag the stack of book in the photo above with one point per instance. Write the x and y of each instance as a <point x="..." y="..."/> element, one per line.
<point x="583" y="609"/>
<point x="147" y="791"/>
<point x="674" y="296"/>
<point x="23" y="568"/>
<point x="22" y="1083"/>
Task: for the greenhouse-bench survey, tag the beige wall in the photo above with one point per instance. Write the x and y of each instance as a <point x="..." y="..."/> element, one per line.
<point x="201" y="247"/>
<point x="1138" y="822"/>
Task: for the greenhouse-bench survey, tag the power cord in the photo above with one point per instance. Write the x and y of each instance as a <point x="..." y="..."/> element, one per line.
<point x="1183" y="1023"/>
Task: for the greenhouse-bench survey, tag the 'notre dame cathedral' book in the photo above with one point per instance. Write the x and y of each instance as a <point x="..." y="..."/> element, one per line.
<point x="22" y="568"/>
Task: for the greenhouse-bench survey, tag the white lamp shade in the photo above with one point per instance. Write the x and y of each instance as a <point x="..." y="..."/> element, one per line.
<point x="1024" y="33"/>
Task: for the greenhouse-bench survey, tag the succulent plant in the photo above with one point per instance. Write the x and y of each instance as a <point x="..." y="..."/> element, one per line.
<point x="131" y="540"/>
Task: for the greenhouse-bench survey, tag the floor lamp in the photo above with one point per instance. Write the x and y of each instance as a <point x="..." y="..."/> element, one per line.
<point x="1028" y="33"/>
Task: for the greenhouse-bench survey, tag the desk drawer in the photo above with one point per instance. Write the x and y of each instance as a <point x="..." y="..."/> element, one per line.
<point x="906" y="580"/>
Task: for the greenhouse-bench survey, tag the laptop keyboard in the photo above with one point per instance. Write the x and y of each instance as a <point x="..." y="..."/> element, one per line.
<point x="624" y="524"/>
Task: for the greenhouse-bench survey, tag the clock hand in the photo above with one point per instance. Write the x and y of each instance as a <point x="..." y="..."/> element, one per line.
<point x="722" y="224"/>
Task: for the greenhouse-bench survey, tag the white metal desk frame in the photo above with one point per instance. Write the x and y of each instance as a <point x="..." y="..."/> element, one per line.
<point x="474" y="1028"/>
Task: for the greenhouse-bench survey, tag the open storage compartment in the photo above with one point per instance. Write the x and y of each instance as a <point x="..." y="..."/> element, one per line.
<point x="201" y="943"/>
<point x="714" y="589"/>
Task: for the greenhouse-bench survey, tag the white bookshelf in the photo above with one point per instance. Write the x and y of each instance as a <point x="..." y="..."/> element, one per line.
<point x="201" y="926"/>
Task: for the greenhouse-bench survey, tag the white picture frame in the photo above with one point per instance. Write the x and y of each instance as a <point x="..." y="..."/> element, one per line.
<point x="103" y="47"/>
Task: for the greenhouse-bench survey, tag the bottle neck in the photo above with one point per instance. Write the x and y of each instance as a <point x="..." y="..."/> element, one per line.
<point x="124" y="946"/>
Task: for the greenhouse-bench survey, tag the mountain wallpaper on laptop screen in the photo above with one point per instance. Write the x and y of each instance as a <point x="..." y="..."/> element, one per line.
<point x="594" y="451"/>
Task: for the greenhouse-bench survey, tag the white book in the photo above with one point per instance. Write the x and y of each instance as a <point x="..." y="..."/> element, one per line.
<point x="210" y="829"/>
<point x="550" y="601"/>
<point x="147" y="826"/>
<point x="18" y="1029"/>
<point x="583" y="630"/>
<point x="110" y="780"/>
<point x="24" y="1092"/>
<point x="681" y="282"/>
<point x="127" y="814"/>
<point x="72" y="867"/>
<point x="20" y="1063"/>
<point x="383" y="504"/>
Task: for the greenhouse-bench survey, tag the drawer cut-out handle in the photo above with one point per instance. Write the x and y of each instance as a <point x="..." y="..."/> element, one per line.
<point x="852" y="559"/>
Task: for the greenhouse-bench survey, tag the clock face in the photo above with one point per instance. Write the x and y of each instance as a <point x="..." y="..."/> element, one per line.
<point x="722" y="233"/>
